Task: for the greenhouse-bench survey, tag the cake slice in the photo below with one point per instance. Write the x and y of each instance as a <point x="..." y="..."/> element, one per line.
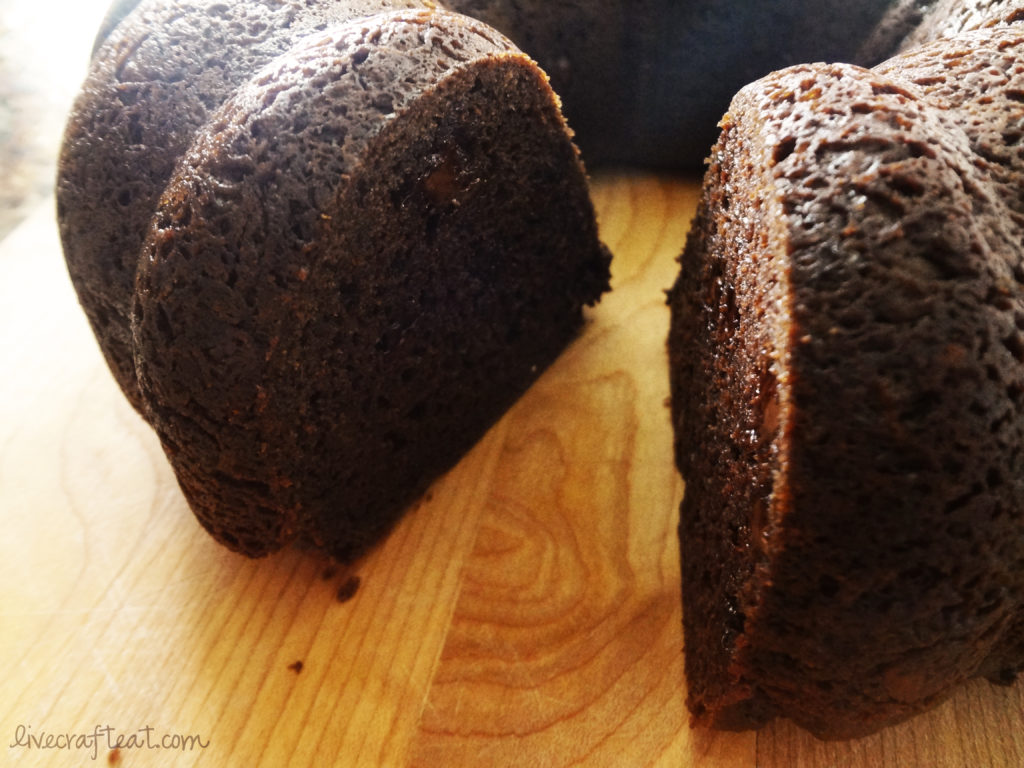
<point x="369" y="251"/>
<point x="847" y="373"/>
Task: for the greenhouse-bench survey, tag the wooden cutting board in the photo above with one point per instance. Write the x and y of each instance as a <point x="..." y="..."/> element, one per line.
<point x="525" y="613"/>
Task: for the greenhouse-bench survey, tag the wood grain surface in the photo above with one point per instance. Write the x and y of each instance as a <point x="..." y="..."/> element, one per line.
<point x="525" y="613"/>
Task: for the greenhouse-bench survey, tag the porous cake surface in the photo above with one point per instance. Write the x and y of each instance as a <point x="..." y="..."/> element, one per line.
<point x="846" y="354"/>
<point x="369" y="251"/>
<point x="155" y="82"/>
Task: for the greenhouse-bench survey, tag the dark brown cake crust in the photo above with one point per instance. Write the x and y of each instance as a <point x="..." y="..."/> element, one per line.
<point x="846" y="356"/>
<point x="153" y="84"/>
<point x="368" y="253"/>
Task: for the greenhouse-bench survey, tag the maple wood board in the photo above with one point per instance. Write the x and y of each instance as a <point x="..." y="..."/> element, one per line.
<point x="525" y="613"/>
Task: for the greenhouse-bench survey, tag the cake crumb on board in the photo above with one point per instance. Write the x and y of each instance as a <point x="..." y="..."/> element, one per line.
<point x="348" y="589"/>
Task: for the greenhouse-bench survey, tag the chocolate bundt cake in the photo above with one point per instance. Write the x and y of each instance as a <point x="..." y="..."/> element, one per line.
<point x="846" y="355"/>
<point x="324" y="244"/>
<point x="321" y="279"/>
<point x="157" y="162"/>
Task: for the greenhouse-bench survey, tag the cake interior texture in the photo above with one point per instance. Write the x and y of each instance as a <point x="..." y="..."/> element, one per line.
<point x="846" y="353"/>
<point x="373" y="333"/>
